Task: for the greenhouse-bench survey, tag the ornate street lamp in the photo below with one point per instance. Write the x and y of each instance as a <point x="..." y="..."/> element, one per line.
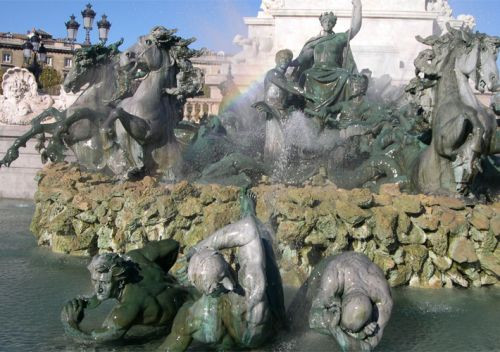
<point x="88" y="15"/>
<point x="104" y="25"/>
<point x="88" y="19"/>
<point x="34" y="45"/>
<point x="35" y="41"/>
<point x="27" y="50"/>
<point x="42" y="53"/>
<point x="72" y="30"/>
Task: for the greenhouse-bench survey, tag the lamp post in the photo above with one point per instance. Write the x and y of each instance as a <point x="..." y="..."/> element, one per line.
<point x="72" y="30"/>
<point x="88" y="19"/>
<point x="88" y="15"/>
<point x="34" y="48"/>
<point x="103" y="25"/>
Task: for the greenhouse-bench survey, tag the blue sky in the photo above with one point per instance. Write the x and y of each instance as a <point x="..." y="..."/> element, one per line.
<point x="213" y="22"/>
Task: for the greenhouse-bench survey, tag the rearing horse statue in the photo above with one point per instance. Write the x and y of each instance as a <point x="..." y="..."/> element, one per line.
<point x="144" y="88"/>
<point x="96" y="72"/>
<point x="151" y="114"/>
<point x="463" y="131"/>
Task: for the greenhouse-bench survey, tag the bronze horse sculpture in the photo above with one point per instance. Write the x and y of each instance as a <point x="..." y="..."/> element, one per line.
<point x="95" y="73"/>
<point x="143" y="88"/>
<point x="463" y="131"/>
<point x="149" y="116"/>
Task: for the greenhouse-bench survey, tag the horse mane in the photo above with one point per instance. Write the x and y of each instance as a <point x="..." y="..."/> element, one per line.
<point x="166" y="39"/>
<point x="443" y="49"/>
<point x="189" y="78"/>
<point x="96" y="55"/>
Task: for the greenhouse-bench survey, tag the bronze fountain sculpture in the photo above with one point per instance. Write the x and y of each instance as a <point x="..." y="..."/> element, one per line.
<point x="435" y="141"/>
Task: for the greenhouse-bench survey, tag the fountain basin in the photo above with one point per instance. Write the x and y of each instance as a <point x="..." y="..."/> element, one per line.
<point x="35" y="283"/>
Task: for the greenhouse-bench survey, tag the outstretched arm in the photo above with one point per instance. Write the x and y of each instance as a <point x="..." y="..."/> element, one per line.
<point x="356" y="18"/>
<point x="163" y="252"/>
<point x="380" y="294"/>
<point x="234" y="235"/>
<point x="325" y="310"/>
<point x="284" y="84"/>
<point x="114" y="327"/>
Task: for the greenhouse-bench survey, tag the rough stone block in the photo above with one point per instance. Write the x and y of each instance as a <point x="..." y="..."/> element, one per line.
<point x="427" y="222"/>
<point x="408" y="204"/>
<point x="362" y="197"/>
<point x="87" y="216"/>
<point x="350" y="213"/>
<point x="385" y="221"/>
<point x="479" y="220"/>
<point x="292" y="231"/>
<point x="217" y="215"/>
<point x="435" y="281"/>
<point x="400" y="276"/>
<point x="81" y="202"/>
<point x="490" y="261"/>
<point x="190" y="207"/>
<point x="327" y="226"/>
<point x="462" y="250"/>
<point x="404" y="224"/>
<point x="105" y="237"/>
<point x="361" y="232"/>
<point x="416" y="236"/>
<point x="116" y="203"/>
<point x="384" y="261"/>
<point x="415" y="256"/>
<point x="63" y="244"/>
<point x="459" y="226"/>
<point x="441" y="263"/>
<point x="457" y="278"/>
<point x="290" y="211"/>
<point x="495" y="225"/>
<point x="391" y="189"/>
<point x="439" y="241"/>
<point x="382" y="199"/>
<point x="451" y="203"/>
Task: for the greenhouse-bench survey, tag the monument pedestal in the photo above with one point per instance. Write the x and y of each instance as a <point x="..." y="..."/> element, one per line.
<point x="18" y="180"/>
<point x="386" y="44"/>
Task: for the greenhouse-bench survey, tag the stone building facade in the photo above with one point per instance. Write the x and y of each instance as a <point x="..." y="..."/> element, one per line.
<point x="216" y="68"/>
<point x="59" y="51"/>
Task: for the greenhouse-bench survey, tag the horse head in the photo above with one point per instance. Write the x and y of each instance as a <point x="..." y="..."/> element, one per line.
<point x="150" y="53"/>
<point x="88" y="66"/>
<point x="77" y="77"/>
<point x="465" y="50"/>
<point x="487" y="70"/>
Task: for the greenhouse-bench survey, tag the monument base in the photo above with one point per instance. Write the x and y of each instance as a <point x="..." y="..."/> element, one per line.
<point x="18" y="181"/>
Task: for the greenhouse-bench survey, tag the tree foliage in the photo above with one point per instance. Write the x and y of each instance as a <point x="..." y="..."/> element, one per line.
<point x="50" y="81"/>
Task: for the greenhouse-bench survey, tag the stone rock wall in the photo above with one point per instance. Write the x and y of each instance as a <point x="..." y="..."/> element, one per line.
<point x="417" y="240"/>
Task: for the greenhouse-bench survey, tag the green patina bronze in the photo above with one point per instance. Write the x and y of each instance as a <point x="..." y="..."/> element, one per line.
<point x="437" y="139"/>
<point x="242" y="309"/>
<point x="148" y="298"/>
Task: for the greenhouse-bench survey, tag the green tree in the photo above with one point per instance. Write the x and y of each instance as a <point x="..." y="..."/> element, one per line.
<point x="50" y="81"/>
